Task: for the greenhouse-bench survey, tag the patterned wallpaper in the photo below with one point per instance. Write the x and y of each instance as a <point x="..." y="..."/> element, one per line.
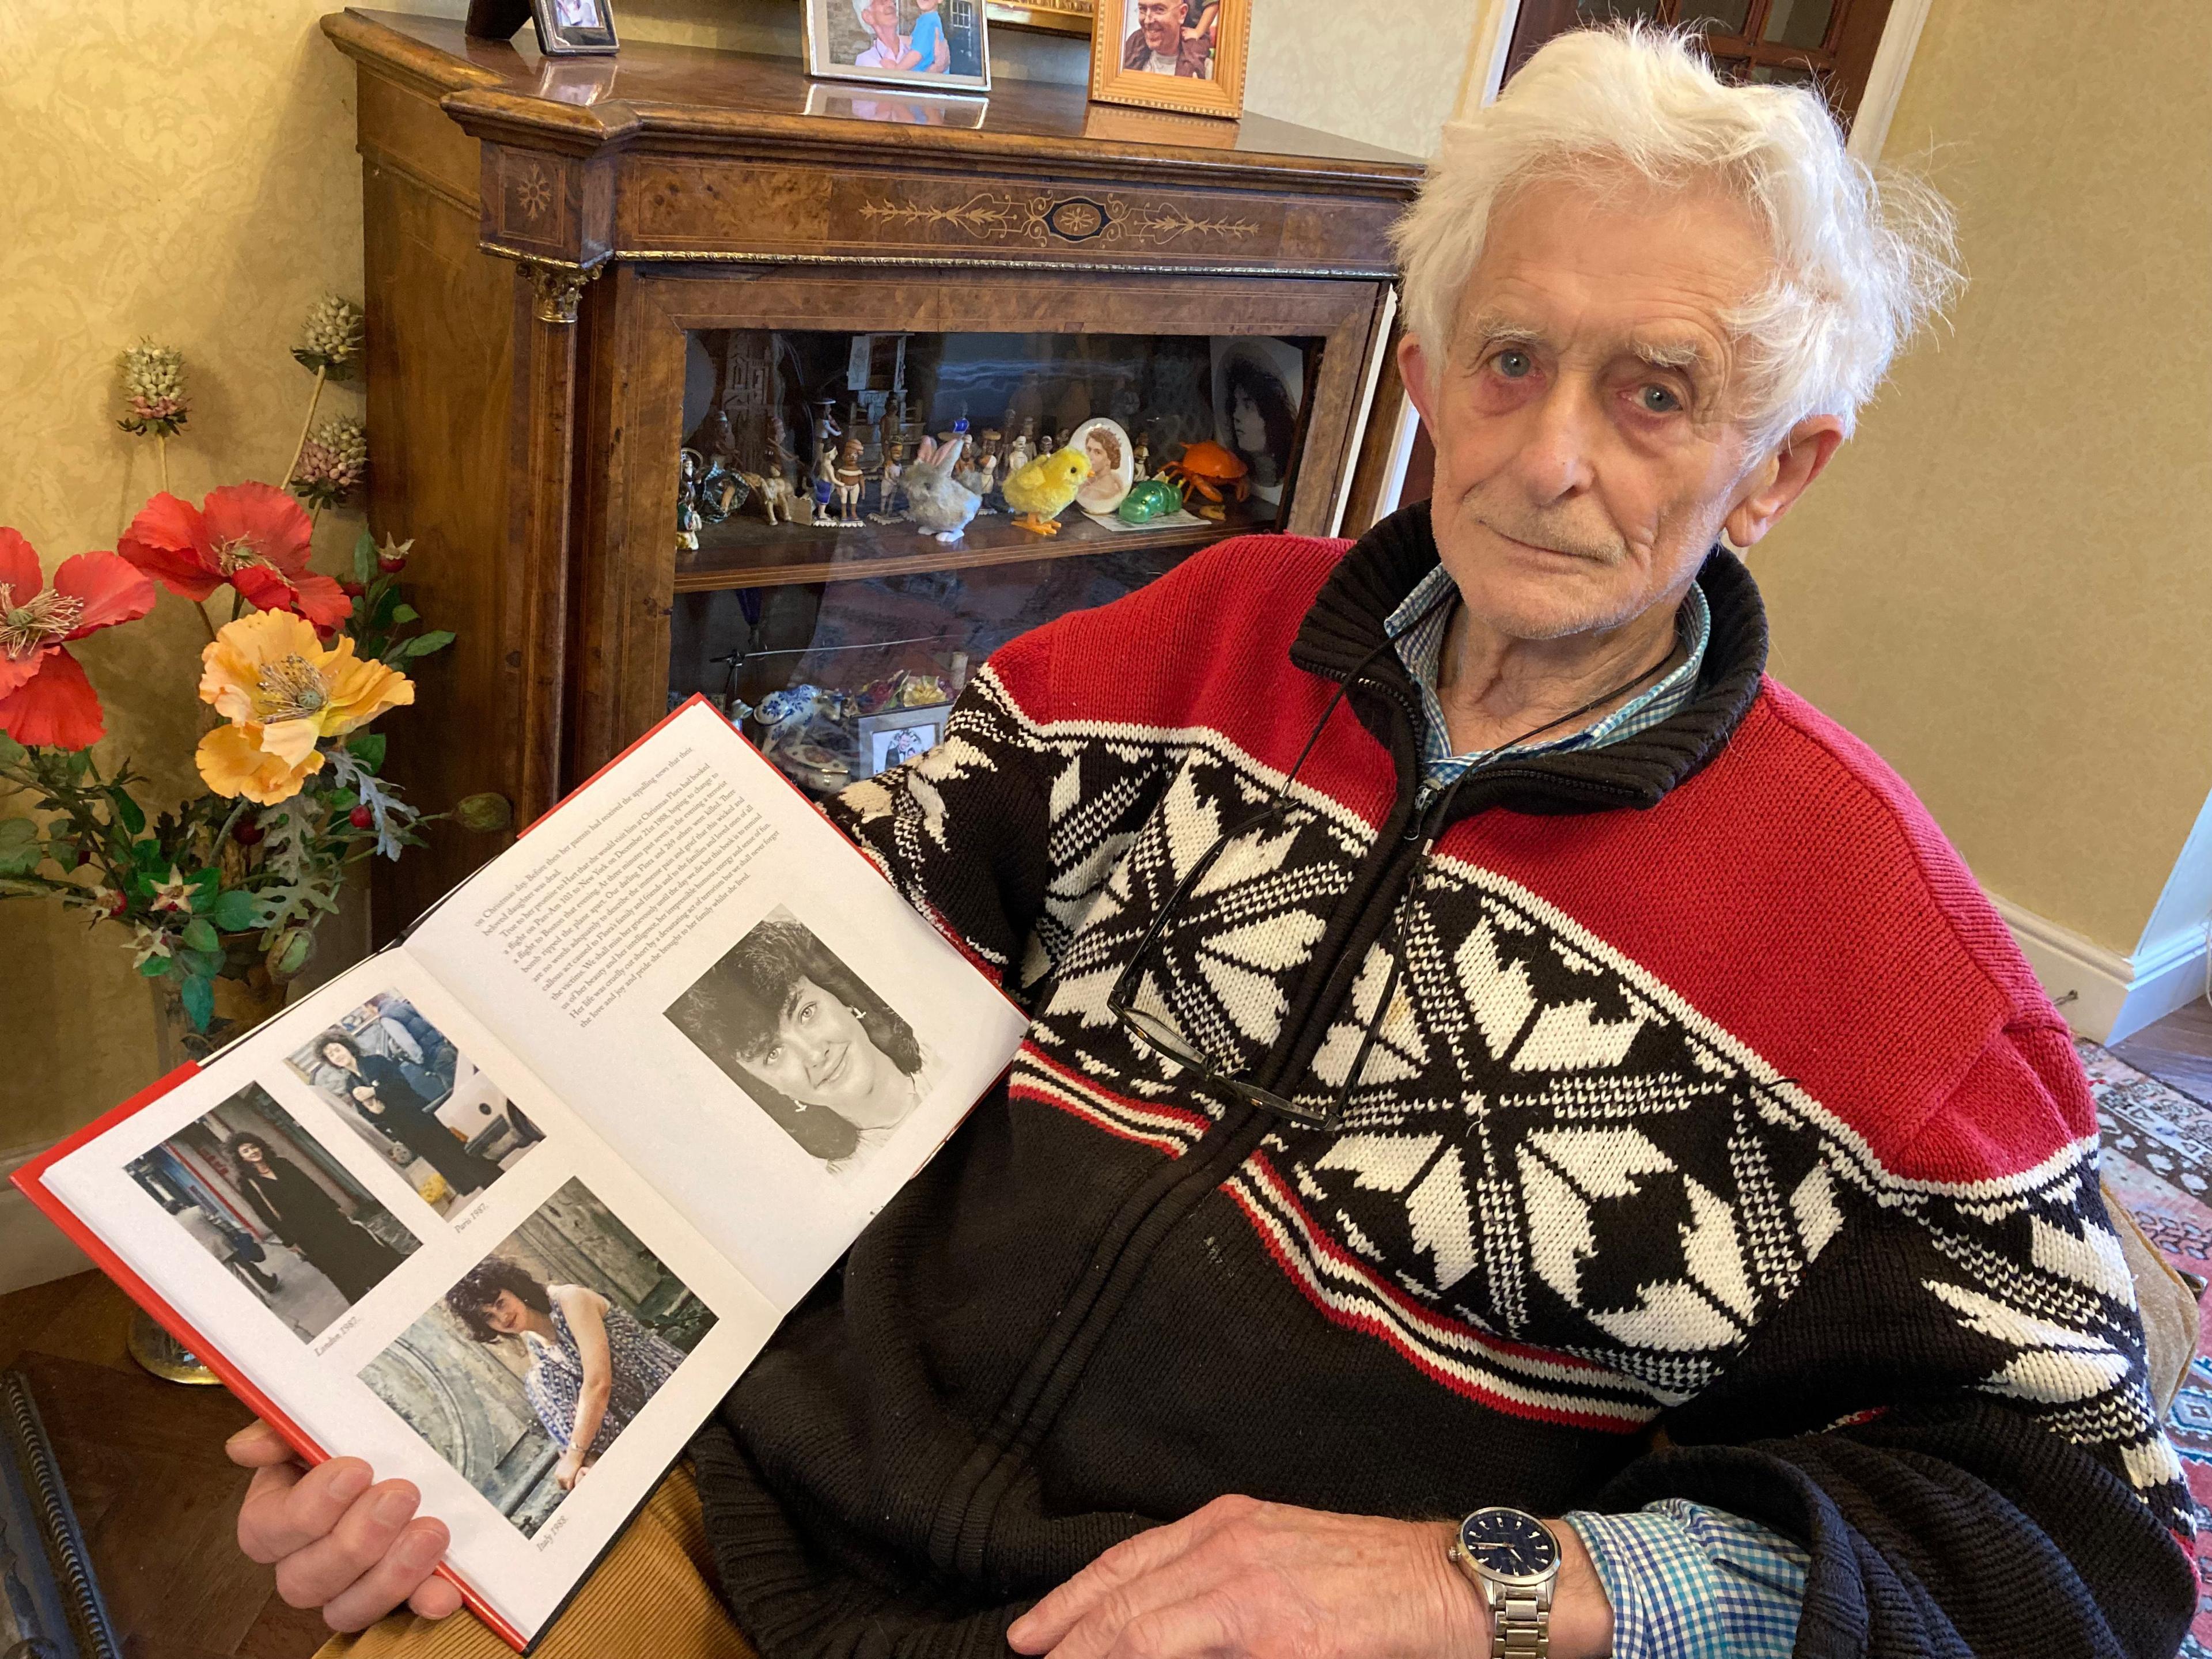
<point x="187" y="172"/>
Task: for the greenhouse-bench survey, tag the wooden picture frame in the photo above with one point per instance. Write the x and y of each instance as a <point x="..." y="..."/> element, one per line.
<point x="1058" y="16"/>
<point x="845" y="42"/>
<point x="1207" y="80"/>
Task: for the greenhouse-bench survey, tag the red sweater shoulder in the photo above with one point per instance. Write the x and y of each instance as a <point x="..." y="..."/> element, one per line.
<point x="1799" y="896"/>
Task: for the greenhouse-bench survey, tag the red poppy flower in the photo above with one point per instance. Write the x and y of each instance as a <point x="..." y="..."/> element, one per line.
<point x="44" y="699"/>
<point x="253" y="536"/>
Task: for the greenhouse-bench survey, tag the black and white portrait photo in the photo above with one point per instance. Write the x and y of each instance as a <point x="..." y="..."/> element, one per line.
<point x="529" y="1368"/>
<point x="265" y="1199"/>
<point x="807" y="1040"/>
<point x="406" y="1090"/>
<point x="1258" y="385"/>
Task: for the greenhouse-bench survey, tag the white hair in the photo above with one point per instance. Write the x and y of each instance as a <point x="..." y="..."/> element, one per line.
<point x="1861" y="262"/>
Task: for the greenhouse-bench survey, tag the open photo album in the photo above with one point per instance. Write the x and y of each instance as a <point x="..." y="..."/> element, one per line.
<point x="506" y="1209"/>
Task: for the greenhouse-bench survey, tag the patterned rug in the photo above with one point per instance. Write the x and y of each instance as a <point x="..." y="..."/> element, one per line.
<point x="2158" y="1156"/>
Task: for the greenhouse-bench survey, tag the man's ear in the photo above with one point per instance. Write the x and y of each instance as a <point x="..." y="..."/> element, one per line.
<point x="1778" y="481"/>
<point x="1421" y="377"/>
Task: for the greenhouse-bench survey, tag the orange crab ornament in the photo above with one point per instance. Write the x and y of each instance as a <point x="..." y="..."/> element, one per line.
<point x="1206" y="469"/>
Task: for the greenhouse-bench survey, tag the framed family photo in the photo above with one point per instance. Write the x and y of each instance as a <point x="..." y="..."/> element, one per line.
<point x="1185" y="55"/>
<point x="568" y="27"/>
<point x="940" y="46"/>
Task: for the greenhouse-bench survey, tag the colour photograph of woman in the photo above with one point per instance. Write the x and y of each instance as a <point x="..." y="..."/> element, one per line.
<point x="807" y="1041"/>
<point x="409" y="1092"/>
<point x="525" y="1373"/>
<point x="263" y="1197"/>
<point x="592" y="1366"/>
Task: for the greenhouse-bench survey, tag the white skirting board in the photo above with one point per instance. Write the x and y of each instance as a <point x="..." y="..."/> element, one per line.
<point x="2112" y="996"/>
<point x="32" y="1249"/>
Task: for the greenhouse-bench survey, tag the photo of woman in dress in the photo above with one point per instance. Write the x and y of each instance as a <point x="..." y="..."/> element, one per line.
<point x="404" y="1086"/>
<point x="808" y="1042"/>
<point x="381" y="1091"/>
<point x="592" y="1366"/>
<point x="528" y="1370"/>
<point x="297" y="1211"/>
<point x="250" y="1185"/>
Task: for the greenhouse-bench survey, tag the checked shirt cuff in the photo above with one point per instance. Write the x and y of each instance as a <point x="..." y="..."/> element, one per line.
<point x="1687" y="1582"/>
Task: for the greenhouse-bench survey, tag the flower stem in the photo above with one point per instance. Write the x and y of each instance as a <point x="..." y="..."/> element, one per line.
<point x="202" y="608"/>
<point x="301" y="447"/>
<point x="161" y="448"/>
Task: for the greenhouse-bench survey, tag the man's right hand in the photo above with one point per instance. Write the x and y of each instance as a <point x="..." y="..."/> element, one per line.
<point x="338" y="1540"/>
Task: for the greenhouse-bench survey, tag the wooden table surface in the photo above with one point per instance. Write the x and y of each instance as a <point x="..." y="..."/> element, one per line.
<point x="144" y="1463"/>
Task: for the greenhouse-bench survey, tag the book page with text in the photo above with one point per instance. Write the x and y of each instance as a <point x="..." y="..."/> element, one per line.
<point x="729" y="993"/>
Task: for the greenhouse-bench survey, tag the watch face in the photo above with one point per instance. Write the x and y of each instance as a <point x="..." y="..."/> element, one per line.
<point x="1508" y="1544"/>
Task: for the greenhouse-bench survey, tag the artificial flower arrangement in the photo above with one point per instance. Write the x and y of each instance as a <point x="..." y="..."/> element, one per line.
<point x="229" y="886"/>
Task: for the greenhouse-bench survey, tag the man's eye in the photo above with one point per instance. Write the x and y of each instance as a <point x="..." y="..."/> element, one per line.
<point x="1513" y="365"/>
<point x="1657" y="400"/>
<point x="773" y="1055"/>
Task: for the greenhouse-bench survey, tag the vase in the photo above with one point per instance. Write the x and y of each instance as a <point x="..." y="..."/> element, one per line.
<point x="245" y="993"/>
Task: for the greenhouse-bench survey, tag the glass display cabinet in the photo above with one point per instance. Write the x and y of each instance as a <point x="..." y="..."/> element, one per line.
<point x="688" y="376"/>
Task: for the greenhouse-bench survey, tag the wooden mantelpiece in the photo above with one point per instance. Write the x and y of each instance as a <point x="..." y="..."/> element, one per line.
<point x="541" y="235"/>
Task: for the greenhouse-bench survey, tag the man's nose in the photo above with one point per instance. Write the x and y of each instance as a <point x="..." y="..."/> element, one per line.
<point x="1553" y="461"/>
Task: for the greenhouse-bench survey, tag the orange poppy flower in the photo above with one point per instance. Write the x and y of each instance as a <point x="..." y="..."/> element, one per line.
<point x="45" y="701"/>
<point x="253" y="536"/>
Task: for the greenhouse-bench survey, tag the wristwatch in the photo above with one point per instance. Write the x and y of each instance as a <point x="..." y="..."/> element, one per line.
<point x="1514" y="1560"/>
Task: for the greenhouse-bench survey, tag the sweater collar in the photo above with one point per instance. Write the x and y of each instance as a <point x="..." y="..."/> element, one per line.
<point x="1345" y="627"/>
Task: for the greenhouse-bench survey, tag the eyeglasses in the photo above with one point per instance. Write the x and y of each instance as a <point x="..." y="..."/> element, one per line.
<point x="1218" y="1075"/>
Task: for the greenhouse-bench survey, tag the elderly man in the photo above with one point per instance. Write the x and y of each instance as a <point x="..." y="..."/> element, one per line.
<point x="1496" y="1054"/>
<point x="1159" y="44"/>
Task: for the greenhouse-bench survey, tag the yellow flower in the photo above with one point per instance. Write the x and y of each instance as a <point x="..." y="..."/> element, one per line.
<point x="283" y="691"/>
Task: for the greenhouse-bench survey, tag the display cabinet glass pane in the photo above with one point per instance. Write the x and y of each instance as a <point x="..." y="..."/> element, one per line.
<point x="1609" y="11"/>
<point x="1798" y="22"/>
<point x="862" y="518"/>
<point x="1717" y="16"/>
<point x="1784" y="75"/>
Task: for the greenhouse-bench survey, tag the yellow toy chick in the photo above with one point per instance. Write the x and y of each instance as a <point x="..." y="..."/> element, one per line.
<point x="1043" y="489"/>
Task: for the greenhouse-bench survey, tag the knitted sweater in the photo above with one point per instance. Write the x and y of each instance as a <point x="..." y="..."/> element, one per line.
<point x="1717" y="1101"/>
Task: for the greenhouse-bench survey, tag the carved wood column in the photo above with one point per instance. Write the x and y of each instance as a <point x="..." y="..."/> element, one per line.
<point x="542" y="487"/>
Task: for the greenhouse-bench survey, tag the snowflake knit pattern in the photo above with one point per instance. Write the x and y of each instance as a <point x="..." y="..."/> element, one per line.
<point x="1717" y="1144"/>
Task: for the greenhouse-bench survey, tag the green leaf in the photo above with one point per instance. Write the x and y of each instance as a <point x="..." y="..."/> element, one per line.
<point x="12" y="753"/>
<point x="405" y="613"/>
<point x="209" y="962"/>
<point x="20" y="850"/>
<point x="198" y="995"/>
<point x="157" y="967"/>
<point x="342" y="800"/>
<point x="205" y="885"/>
<point x="368" y="749"/>
<point x="364" y="558"/>
<point x="423" y="644"/>
<point x="234" y="911"/>
<point x="148" y="855"/>
<point x="200" y="935"/>
<point x="128" y="812"/>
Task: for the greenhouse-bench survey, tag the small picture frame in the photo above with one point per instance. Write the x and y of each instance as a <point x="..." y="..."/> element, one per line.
<point x="934" y="46"/>
<point x="897" y="735"/>
<point x="1058" y="16"/>
<point x="1186" y="55"/>
<point x="571" y="28"/>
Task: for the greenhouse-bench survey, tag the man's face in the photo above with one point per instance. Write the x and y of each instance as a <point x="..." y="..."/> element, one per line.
<point x="1162" y="22"/>
<point x="1589" y="443"/>
<point x="883" y="16"/>
<point x="821" y="1055"/>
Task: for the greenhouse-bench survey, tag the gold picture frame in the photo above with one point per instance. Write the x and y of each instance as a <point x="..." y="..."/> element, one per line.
<point x="1207" y="48"/>
<point x="1060" y="16"/>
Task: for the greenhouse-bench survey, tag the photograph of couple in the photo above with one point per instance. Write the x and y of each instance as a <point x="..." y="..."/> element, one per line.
<point x="404" y="1087"/>
<point x="531" y="1366"/>
<point x="808" y="1042"/>
<point x="263" y="1197"/>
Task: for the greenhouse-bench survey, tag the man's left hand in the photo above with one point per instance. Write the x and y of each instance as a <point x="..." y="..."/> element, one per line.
<point x="1241" y="1579"/>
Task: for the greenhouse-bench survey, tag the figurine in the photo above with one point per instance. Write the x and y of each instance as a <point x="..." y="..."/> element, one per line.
<point x="782" y="459"/>
<point x="934" y="500"/>
<point x="1023" y="450"/>
<point x="1141" y="459"/>
<point x="773" y="491"/>
<point x="1150" y="499"/>
<point x="888" y="492"/>
<point x="986" y="463"/>
<point x="1106" y="446"/>
<point x="1043" y="489"/>
<point x="722" y="491"/>
<point x="688" y="521"/>
<point x="823" y="489"/>
<point x="1206" y="469"/>
<point x="850" y="475"/>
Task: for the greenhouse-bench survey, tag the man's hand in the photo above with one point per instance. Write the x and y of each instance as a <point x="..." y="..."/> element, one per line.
<point x="1265" y="1581"/>
<point x="338" y="1541"/>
